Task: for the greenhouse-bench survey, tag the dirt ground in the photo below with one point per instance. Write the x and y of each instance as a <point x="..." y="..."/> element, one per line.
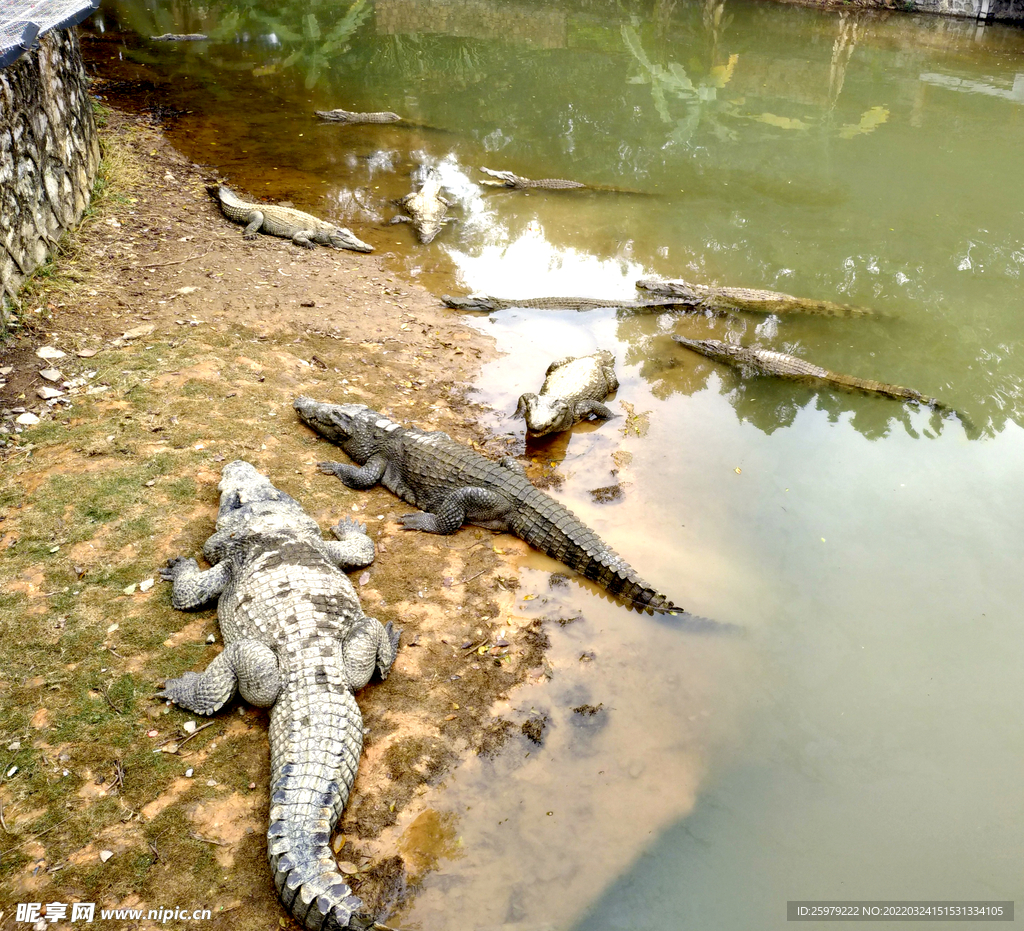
<point x="183" y="347"/>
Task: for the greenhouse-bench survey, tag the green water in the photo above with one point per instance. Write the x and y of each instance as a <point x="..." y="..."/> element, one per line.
<point x="862" y="739"/>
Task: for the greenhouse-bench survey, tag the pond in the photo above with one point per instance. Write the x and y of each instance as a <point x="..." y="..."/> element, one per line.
<point x="861" y="738"/>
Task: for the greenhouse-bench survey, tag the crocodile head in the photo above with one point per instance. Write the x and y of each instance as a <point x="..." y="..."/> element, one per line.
<point x="342" y="238"/>
<point x="354" y="427"/>
<point x="712" y="348"/>
<point x="251" y="505"/>
<point x="544" y="414"/>
<point x="470" y="302"/>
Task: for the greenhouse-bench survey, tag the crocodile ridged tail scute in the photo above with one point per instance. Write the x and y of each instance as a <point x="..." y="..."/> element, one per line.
<point x="316" y="738"/>
<point x="556" y="531"/>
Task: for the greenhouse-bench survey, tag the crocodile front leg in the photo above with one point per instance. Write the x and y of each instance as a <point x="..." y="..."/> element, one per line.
<point x="353" y="548"/>
<point x="192" y="586"/>
<point x="366" y="477"/>
<point x="583" y="409"/>
<point x="255" y="222"/>
<point x="304" y="238"/>
<point x="478" y="505"/>
<point x="249" y="665"/>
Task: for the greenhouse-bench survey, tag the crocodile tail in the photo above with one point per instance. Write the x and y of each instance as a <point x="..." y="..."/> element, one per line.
<point x="556" y="531"/>
<point x="316" y="736"/>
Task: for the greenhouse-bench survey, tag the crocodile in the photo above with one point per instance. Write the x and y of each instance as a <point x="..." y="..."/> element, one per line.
<point x="452" y="485"/>
<point x="574" y="389"/>
<point x="297" y="642"/>
<point x="180" y="37"/>
<point x="508" y="180"/>
<point x="748" y="299"/>
<point x="426" y="208"/>
<point x="783" y="365"/>
<point x="349" y="116"/>
<point x="486" y="303"/>
<point x="303" y="229"/>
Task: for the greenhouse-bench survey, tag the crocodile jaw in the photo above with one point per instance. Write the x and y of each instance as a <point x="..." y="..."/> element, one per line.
<point x="335" y="422"/>
<point x="342" y="238"/>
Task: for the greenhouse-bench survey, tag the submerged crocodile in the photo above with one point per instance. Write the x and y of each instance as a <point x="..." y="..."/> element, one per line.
<point x="303" y="229"/>
<point x="426" y="208"/>
<point x="180" y="37"/>
<point x="485" y="303"/>
<point x="782" y="365"/>
<point x="350" y="116"/>
<point x="574" y="389"/>
<point x="452" y="485"/>
<point x="748" y="299"/>
<point x="296" y="641"/>
<point x="508" y="180"/>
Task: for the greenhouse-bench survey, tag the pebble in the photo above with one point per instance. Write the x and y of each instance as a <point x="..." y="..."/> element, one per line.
<point x="49" y="352"/>
<point x="189" y="772"/>
<point x="211" y="782"/>
<point x="14" y="745"/>
<point x="50" y="374"/>
<point x="212" y="638"/>
<point x="106" y="855"/>
<point x="28" y="419"/>
<point x="48" y="394"/>
<point x="189" y="727"/>
<point x="138" y="332"/>
<point x="6" y="370"/>
<point x="87" y="353"/>
<point x="145" y="585"/>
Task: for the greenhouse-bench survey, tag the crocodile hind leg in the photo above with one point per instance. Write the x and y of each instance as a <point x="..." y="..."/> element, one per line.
<point x="249" y="665"/>
<point x="370" y="646"/>
<point x="478" y="505"/>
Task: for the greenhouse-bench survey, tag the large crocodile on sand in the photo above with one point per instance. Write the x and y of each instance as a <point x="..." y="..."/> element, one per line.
<point x="783" y="365"/>
<point x="574" y="389"/>
<point x="426" y="208"/>
<point x="296" y="641"/>
<point x="452" y="485"/>
<point x="747" y="299"/>
<point x="350" y="116"/>
<point x="486" y="303"/>
<point x="301" y="228"/>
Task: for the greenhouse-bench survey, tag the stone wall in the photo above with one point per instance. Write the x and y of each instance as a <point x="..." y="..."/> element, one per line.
<point x="49" y="154"/>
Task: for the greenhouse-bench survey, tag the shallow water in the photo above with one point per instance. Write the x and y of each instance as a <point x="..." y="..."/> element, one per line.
<point x="860" y="739"/>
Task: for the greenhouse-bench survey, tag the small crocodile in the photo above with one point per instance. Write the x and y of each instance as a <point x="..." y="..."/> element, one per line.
<point x="453" y="485"/>
<point x="486" y="303"/>
<point x="508" y="180"/>
<point x="782" y="365"/>
<point x="748" y="299"/>
<point x="426" y="208"/>
<point x="295" y="641"/>
<point x="180" y="37"/>
<point x="349" y="116"/>
<point x="574" y="389"/>
<point x="303" y="229"/>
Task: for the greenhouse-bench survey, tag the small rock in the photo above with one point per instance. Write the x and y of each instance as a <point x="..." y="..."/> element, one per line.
<point x="189" y="772"/>
<point x="28" y="419"/>
<point x="106" y="855"/>
<point x="151" y="483"/>
<point x="145" y="585"/>
<point x="129" y="589"/>
<point x="48" y="394"/>
<point x="211" y="782"/>
<point x="49" y="352"/>
<point x="140" y="331"/>
<point x="11" y="772"/>
<point x="189" y="727"/>
<point x="364" y="578"/>
<point x="6" y="370"/>
<point x="14" y="745"/>
<point x="211" y="638"/>
<point x="152" y="733"/>
<point x="252" y="785"/>
<point x="87" y="353"/>
<point x="50" y="374"/>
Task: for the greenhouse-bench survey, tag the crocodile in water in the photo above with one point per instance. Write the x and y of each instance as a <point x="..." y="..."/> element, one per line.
<point x="452" y="485"/>
<point x="508" y="180"/>
<point x="349" y="116"/>
<point x="180" y="37"/>
<point x="295" y="640"/>
<point x="303" y="229"/>
<point x="426" y="208"/>
<point x="782" y="365"/>
<point x="748" y="299"/>
<point x="486" y="303"/>
<point x="574" y="389"/>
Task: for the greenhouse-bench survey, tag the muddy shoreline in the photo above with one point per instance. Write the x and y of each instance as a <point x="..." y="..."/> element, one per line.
<point x="184" y="346"/>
